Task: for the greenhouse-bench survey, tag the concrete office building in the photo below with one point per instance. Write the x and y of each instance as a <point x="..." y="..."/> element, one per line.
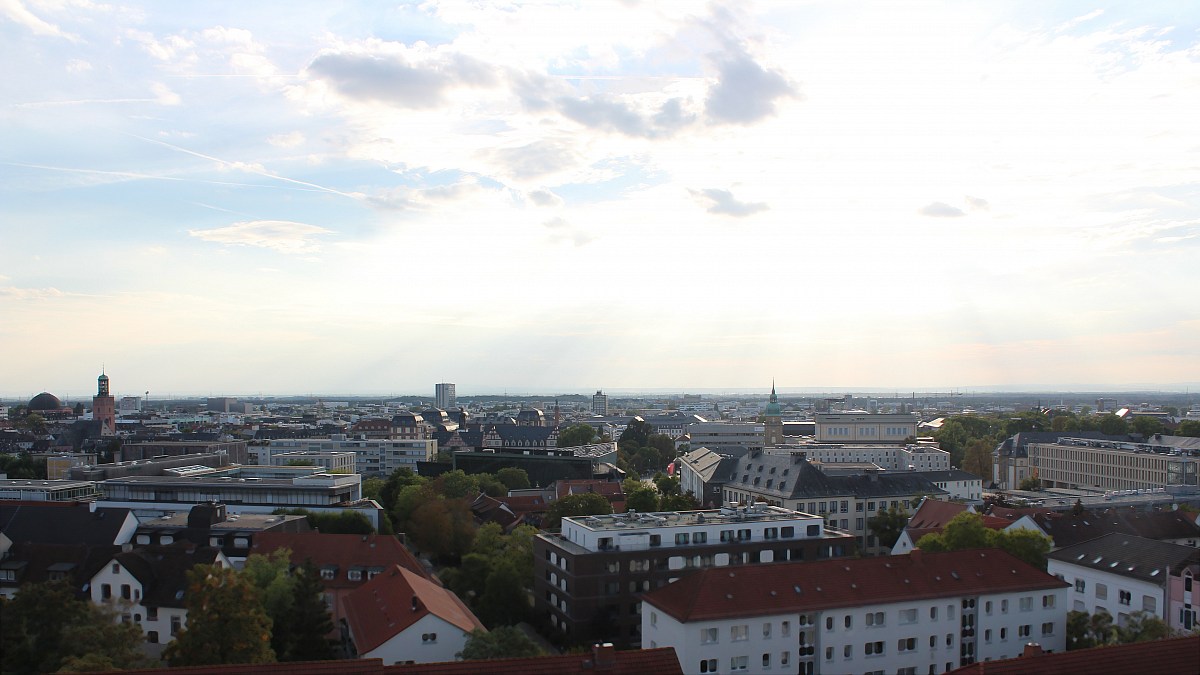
<point x="444" y="395"/>
<point x="1164" y="461"/>
<point x="600" y="403"/>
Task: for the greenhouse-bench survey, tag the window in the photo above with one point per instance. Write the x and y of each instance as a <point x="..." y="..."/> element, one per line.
<point x="787" y="533"/>
<point x="1048" y="601"/>
<point x="814" y="530"/>
<point x="1004" y="606"/>
<point x="784" y="658"/>
<point x="699" y="537"/>
<point x="739" y="663"/>
<point x="1102" y="591"/>
<point x="1003" y="633"/>
<point x="126" y="592"/>
<point x="766" y="660"/>
<point x="428" y="638"/>
<point x="858" y="523"/>
<point x="152" y="637"/>
<point x="874" y="618"/>
<point x="829" y="623"/>
<point x="152" y="614"/>
<point x="653" y="618"/>
<point x="845" y="506"/>
<point x="771" y="533"/>
<point x="1027" y="604"/>
<point x="708" y="636"/>
<point x="611" y="567"/>
<point x="906" y="644"/>
<point x="849" y="621"/>
<point x="743" y="535"/>
<point x="1023" y="631"/>
<point x="908" y="616"/>
<point x="987" y="635"/>
<point x="105" y="592"/>
<point x="354" y="575"/>
<point x="933" y="642"/>
<point x="785" y="629"/>
<point x="708" y="665"/>
<point x="1124" y="597"/>
<point x="933" y="613"/>
<point x="176" y="624"/>
<point x="1149" y="604"/>
<point x="873" y="648"/>
<point x="116" y="568"/>
<point x="327" y="573"/>
<point x="681" y="539"/>
<point x="829" y="653"/>
<point x="1080" y="585"/>
<point x="656" y="540"/>
<point x="604" y="543"/>
<point x="987" y="607"/>
<point x="847" y="652"/>
<point x="726" y="535"/>
<point x="1048" y="628"/>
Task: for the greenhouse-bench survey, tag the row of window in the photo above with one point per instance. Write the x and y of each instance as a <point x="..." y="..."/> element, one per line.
<point x="1149" y="602"/>
<point x="739" y="664"/>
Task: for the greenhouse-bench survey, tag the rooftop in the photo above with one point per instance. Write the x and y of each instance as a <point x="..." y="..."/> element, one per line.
<point x="1173" y="656"/>
<point x="756" y="590"/>
<point x="1128" y="555"/>
<point x="634" y="520"/>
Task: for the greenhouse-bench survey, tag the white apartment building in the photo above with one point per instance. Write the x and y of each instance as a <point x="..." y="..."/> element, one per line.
<point x="727" y="438"/>
<point x="1121" y="574"/>
<point x="373" y="457"/>
<point x="330" y="461"/>
<point x="921" y="613"/>
<point x="865" y="428"/>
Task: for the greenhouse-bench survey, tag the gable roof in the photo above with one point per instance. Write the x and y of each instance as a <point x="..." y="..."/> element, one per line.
<point x="1129" y="556"/>
<point x="710" y="466"/>
<point x="162" y="570"/>
<point x="1067" y="529"/>
<point x="73" y="524"/>
<point x="396" y="599"/>
<point x="754" y="590"/>
<point x="935" y="513"/>
<point x="1173" y="656"/>
<point x="342" y="551"/>
<point x="35" y="563"/>
<point x="762" y="472"/>
<point x="660" y="661"/>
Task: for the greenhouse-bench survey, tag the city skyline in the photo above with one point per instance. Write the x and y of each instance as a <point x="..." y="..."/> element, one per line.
<point x="563" y="197"/>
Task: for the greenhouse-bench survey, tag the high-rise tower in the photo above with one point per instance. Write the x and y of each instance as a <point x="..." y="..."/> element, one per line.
<point x="104" y="406"/>
<point x="443" y="394"/>
<point x="773" y="423"/>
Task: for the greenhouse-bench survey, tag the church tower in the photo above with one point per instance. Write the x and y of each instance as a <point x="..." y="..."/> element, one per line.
<point x="773" y="426"/>
<point x="104" y="407"/>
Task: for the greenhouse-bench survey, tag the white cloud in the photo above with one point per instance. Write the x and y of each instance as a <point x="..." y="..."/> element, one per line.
<point x="722" y="202"/>
<point x="18" y="13"/>
<point x="941" y="210"/>
<point x="278" y="235"/>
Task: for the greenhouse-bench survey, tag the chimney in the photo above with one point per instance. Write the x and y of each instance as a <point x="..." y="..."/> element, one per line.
<point x="1032" y="649"/>
<point x="604" y="656"/>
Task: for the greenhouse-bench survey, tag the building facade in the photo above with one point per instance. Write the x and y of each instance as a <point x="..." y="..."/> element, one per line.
<point x="1116" y="465"/>
<point x="104" y="407"/>
<point x="914" y="614"/>
<point x="600" y="403"/>
<point x="444" y="395"/>
<point x="589" y="578"/>
<point x="865" y="428"/>
<point x="372" y="456"/>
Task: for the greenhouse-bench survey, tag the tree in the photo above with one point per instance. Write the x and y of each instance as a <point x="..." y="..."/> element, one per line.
<point x="276" y="588"/>
<point x="1147" y="426"/>
<point x="978" y="459"/>
<point x="45" y="628"/>
<point x="887" y="525"/>
<point x="1112" y="425"/>
<point x="505" y="600"/>
<point x="1028" y="545"/>
<point x="513" y="478"/>
<point x="310" y="621"/>
<point x="577" y="434"/>
<point x="344" y="522"/>
<point x="642" y="499"/>
<point x="1142" y="626"/>
<point x="966" y="530"/>
<point x="1189" y="428"/>
<point x="499" y="643"/>
<point x="490" y="485"/>
<point x="667" y="485"/>
<point x="456" y="484"/>
<point x="636" y="435"/>
<point x="678" y="502"/>
<point x="226" y="621"/>
<point x="445" y="528"/>
<point x="372" y="488"/>
<point x="1031" y="484"/>
<point x="584" y="504"/>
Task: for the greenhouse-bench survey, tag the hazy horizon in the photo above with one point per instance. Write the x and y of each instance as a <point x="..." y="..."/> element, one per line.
<point x="374" y="197"/>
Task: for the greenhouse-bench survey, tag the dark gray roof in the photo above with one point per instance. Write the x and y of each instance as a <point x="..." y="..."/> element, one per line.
<point x="710" y="466"/>
<point x="75" y="524"/>
<point x="949" y="475"/>
<point x="1016" y="445"/>
<point x="792" y="477"/>
<point x="1067" y="529"/>
<point x="1130" y="556"/>
<point x="163" y="570"/>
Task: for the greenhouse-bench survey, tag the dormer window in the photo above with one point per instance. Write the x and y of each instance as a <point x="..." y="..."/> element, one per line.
<point x="354" y="575"/>
<point x="328" y="573"/>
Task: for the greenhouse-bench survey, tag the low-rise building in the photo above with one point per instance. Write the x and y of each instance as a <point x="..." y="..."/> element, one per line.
<point x="1170" y="462"/>
<point x="909" y="614"/>
<point x="372" y="456"/>
<point x="588" y="578"/>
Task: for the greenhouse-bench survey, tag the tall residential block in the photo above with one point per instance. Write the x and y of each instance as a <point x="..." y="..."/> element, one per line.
<point x="444" y="393"/>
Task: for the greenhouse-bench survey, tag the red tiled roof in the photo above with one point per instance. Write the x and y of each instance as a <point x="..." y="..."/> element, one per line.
<point x="1173" y="656"/>
<point x="355" y="667"/>
<point x="524" y="505"/>
<point x="341" y="550"/>
<point x="396" y="599"/>
<point x="583" y="486"/>
<point x="755" y="590"/>
<point x="661" y="661"/>
<point x="934" y="513"/>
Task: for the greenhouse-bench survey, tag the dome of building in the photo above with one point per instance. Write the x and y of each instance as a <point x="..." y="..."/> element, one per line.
<point x="44" y="401"/>
<point x="773" y="407"/>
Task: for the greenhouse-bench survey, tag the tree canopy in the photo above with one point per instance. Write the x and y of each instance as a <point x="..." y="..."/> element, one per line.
<point x="226" y="621"/>
<point x="584" y="504"/>
<point x="887" y="525"/>
<point x="577" y="434"/>
<point x="45" y="628"/>
<point x="499" y="643"/>
<point x="966" y="530"/>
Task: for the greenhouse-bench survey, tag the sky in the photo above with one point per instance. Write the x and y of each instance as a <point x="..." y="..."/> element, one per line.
<point x="282" y="197"/>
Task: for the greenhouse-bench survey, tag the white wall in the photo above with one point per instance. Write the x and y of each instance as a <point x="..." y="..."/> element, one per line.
<point x="1087" y="600"/>
<point x="409" y="646"/>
